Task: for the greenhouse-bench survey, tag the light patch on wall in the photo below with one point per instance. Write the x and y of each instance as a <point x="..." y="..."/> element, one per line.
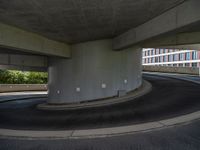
<point x="103" y="85"/>
<point x="125" y="81"/>
<point x="78" y="89"/>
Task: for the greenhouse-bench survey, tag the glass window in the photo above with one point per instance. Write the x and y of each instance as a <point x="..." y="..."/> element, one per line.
<point x="194" y="64"/>
<point x="151" y="52"/>
<point x="187" y="64"/>
<point x="161" y="59"/>
<point x="194" y="55"/>
<point x="170" y="58"/>
<point x="164" y="58"/>
<point x="180" y="65"/>
<point x="188" y="56"/>
<point x="157" y="51"/>
<point x="156" y="59"/>
<point x="153" y="60"/>
<point x="181" y="56"/>
<point x="161" y="51"/>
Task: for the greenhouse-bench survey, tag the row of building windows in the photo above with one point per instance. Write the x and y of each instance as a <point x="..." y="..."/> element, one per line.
<point x="150" y="52"/>
<point x="181" y="65"/>
<point x="171" y="57"/>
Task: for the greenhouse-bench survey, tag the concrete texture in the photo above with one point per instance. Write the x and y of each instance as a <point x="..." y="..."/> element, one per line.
<point x="183" y="70"/>
<point x="178" y="19"/>
<point x="18" y="39"/>
<point x="95" y="71"/>
<point x="75" y="21"/>
<point x="142" y="90"/>
<point x="22" y="87"/>
<point x="23" y="62"/>
<point x="184" y="40"/>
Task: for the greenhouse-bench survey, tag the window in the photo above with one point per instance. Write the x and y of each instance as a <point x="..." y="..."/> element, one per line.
<point x="194" y="64"/>
<point x="164" y="58"/>
<point x="152" y="52"/>
<point x="170" y="58"/>
<point x="187" y="64"/>
<point x="175" y="57"/>
<point x="161" y="59"/>
<point x="194" y="55"/>
<point x="156" y="59"/>
<point x="181" y="56"/>
<point x="153" y="60"/>
<point x="157" y="51"/>
<point x="188" y="56"/>
<point x="180" y="65"/>
<point x="161" y="51"/>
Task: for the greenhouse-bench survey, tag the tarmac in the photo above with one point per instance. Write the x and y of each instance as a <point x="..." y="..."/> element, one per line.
<point x="165" y="118"/>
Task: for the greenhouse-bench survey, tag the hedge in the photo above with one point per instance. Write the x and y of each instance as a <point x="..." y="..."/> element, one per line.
<point x="19" y="77"/>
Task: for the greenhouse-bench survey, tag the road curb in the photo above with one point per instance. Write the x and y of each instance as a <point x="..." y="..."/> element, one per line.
<point x="101" y="132"/>
<point x="144" y="89"/>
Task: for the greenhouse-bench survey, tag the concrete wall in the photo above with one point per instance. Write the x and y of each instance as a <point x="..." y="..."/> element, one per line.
<point x="93" y="66"/>
<point x="23" y="62"/>
<point x="179" y="18"/>
<point x="18" y="39"/>
<point x="22" y="87"/>
<point x="184" y="70"/>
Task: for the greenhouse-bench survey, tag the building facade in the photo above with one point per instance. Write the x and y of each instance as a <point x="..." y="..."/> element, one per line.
<point x="171" y="57"/>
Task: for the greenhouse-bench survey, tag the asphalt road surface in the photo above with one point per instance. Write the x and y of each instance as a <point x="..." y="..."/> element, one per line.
<point x="185" y="137"/>
<point x="168" y="98"/>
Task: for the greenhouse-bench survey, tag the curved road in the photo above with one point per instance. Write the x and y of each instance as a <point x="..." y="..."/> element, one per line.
<point x="168" y="98"/>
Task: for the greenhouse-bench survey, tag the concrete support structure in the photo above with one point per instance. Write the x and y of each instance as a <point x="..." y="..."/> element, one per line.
<point x="92" y="69"/>
<point x="23" y="62"/>
<point x="95" y="71"/>
<point x="17" y="39"/>
<point x="188" y="40"/>
<point x="185" y="16"/>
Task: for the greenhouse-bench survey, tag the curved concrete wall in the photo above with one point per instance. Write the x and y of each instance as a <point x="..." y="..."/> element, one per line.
<point x="95" y="71"/>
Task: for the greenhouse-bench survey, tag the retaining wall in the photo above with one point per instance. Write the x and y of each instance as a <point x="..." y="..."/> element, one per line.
<point x="22" y="87"/>
<point x="182" y="70"/>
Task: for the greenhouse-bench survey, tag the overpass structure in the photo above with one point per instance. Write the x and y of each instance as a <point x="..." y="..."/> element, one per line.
<point x="93" y="48"/>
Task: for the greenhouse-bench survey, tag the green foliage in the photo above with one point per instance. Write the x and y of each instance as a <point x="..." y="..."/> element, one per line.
<point x="19" y="77"/>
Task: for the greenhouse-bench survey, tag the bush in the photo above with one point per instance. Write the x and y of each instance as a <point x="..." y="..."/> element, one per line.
<point x="19" y="77"/>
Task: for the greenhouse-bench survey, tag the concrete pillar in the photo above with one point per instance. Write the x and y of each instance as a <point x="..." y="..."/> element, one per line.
<point x="93" y="72"/>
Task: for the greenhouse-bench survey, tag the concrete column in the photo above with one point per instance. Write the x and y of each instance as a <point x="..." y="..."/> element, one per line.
<point x="95" y="71"/>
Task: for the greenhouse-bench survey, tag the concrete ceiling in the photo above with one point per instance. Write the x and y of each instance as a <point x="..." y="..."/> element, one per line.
<point x="74" y="21"/>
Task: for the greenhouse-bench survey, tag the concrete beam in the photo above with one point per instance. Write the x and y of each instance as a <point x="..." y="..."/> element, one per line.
<point x="181" y="47"/>
<point x="184" y="15"/>
<point x="15" y="38"/>
<point x="23" y="62"/>
<point x="179" y="40"/>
